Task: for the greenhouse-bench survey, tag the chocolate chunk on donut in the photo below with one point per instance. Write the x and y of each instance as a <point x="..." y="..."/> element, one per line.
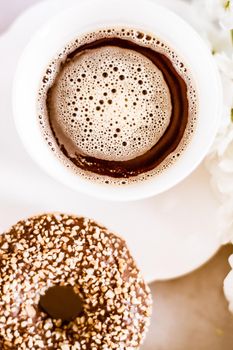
<point x="68" y="283"/>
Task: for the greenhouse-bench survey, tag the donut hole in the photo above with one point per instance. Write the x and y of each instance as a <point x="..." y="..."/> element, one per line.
<point x="61" y="302"/>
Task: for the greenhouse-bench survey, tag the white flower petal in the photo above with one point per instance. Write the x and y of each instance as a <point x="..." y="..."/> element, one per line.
<point x="227" y="139"/>
<point x="226" y="21"/>
<point x="225" y="64"/>
<point x="231" y="260"/>
<point x="220" y="40"/>
<point x="225" y="183"/>
<point x="228" y="289"/>
<point x="227" y="85"/>
<point x="226" y="165"/>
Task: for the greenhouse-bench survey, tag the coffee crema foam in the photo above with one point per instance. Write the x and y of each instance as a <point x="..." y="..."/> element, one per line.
<point x="105" y="109"/>
<point x="117" y="106"/>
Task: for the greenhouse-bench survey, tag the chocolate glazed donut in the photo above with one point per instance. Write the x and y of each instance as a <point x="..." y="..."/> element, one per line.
<point x="67" y="283"/>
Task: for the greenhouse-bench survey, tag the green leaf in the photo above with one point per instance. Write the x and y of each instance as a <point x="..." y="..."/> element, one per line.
<point x="232" y="115"/>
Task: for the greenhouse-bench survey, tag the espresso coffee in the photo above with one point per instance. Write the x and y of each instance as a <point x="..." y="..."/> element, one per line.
<point x="118" y="105"/>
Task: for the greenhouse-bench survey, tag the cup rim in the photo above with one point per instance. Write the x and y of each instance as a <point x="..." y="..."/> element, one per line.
<point x="153" y="15"/>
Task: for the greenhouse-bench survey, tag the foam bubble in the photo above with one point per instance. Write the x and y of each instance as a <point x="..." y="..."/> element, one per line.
<point x="112" y="103"/>
<point x="109" y="91"/>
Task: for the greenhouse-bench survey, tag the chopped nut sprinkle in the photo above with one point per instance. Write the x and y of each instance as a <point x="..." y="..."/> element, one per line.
<point x="64" y="250"/>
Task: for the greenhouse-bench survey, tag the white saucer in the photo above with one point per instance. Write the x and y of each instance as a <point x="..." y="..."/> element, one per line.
<point x="169" y="235"/>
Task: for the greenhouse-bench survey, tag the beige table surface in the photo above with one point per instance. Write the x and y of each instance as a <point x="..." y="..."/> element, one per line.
<point x="189" y="313"/>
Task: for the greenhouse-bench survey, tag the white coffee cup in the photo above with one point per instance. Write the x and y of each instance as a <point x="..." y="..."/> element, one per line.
<point x="90" y="15"/>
